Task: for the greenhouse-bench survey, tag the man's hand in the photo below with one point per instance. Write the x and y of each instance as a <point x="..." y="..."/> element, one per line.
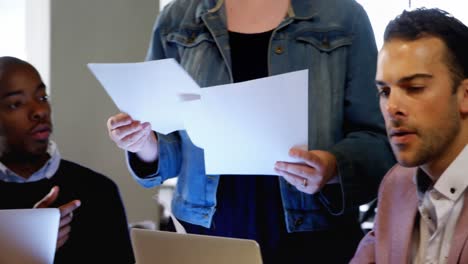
<point x="315" y="170"/>
<point x="66" y="214"/>
<point x="133" y="136"/>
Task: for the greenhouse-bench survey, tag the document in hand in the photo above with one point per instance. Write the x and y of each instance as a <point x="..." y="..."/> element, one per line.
<point x="148" y="91"/>
<point x="244" y="128"/>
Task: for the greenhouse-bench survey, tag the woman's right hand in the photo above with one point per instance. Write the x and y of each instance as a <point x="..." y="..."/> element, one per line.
<point x="134" y="136"/>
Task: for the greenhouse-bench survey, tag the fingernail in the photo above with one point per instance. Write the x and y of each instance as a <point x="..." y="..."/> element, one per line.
<point x="52" y="190"/>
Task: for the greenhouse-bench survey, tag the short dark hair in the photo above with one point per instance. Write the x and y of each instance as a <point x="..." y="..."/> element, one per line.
<point x="434" y="22"/>
<point x="7" y="61"/>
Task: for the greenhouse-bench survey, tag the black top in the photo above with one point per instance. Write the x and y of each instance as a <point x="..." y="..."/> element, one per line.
<point x="250" y="61"/>
<point x="99" y="230"/>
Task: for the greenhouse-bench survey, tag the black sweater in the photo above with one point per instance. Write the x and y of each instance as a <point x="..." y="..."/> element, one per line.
<point x="99" y="231"/>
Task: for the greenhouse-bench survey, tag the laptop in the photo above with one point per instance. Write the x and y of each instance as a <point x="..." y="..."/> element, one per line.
<point x="150" y="246"/>
<point x="28" y="236"/>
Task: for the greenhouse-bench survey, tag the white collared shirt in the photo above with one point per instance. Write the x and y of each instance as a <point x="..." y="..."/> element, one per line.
<point x="439" y="209"/>
<point x="47" y="171"/>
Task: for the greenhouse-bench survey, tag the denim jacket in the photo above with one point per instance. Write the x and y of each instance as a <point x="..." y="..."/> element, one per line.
<point x="331" y="38"/>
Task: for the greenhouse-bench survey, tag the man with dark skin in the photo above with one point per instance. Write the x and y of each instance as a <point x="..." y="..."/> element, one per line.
<point x="32" y="174"/>
<point x="25" y="155"/>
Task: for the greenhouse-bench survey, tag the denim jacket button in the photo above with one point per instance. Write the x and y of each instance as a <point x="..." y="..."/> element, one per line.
<point x="279" y="50"/>
<point x="191" y="39"/>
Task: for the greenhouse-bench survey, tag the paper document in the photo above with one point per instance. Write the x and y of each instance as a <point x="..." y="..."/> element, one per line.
<point x="252" y="123"/>
<point x="243" y="128"/>
<point x="149" y="91"/>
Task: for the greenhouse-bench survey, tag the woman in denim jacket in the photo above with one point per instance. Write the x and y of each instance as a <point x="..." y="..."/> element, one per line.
<point x="310" y="213"/>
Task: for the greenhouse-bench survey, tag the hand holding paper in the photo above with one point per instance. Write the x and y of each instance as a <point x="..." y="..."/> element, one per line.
<point x="252" y="123"/>
<point x="133" y="136"/>
<point x="316" y="168"/>
<point x="240" y="126"/>
<point x="148" y="91"/>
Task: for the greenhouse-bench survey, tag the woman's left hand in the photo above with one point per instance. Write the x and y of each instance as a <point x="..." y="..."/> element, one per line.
<point x="315" y="169"/>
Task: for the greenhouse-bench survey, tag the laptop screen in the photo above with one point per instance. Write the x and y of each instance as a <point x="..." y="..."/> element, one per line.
<point x="28" y="235"/>
<point x="151" y="246"/>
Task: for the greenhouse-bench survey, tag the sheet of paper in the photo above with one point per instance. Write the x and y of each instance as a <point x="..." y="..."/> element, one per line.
<point x="149" y="91"/>
<point x="244" y="128"/>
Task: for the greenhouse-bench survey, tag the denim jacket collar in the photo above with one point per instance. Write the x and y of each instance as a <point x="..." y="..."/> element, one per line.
<point x="299" y="9"/>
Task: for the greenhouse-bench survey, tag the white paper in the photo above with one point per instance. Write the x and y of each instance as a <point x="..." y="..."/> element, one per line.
<point x="244" y="128"/>
<point x="148" y="91"/>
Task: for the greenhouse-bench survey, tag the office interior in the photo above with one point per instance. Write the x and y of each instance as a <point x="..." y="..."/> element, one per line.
<point x="59" y="37"/>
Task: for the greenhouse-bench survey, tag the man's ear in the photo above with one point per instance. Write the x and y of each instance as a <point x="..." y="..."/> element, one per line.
<point x="463" y="96"/>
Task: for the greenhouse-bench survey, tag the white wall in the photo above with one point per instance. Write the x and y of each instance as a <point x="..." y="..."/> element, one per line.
<point x="380" y="19"/>
<point x="12" y="14"/>
<point x="94" y="31"/>
<point x="37" y="33"/>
